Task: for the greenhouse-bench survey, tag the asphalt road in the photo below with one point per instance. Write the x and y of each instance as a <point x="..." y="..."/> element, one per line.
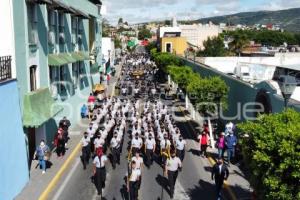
<point x="193" y="182"/>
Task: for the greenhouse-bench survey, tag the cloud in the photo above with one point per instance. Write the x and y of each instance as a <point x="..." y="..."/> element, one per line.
<point x="135" y="11"/>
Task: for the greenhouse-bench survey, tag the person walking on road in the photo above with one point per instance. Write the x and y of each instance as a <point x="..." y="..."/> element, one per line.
<point x="99" y="171"/>
<point x="173" y="165"/>
<point x="114" y="145"/>
<point x="204" y="141"/>
<point x="219" y="173"/>
<point x="133" y="180"/>
<point x="150" y="146"/>
<point x="85" y="142"/>
<point x="230" y="142"/>
<point x="41" y="153"/>
<point x="180" y="147"/>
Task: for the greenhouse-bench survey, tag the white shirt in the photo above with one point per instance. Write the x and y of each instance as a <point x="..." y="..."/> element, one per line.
<point x="164" y="145"/>
<point x="114" y="143"/>
<point x="173" y="164"/>
<point x="139" y="161"/>
<point x="97" y="161"/>
<point x="85" y="141"/>
<point x="180" y="144"/>
<point x="150" y="143"/>
<point x="136" y="143"/>
<point x="99" y="142"/>
<point x="135" y="174"/>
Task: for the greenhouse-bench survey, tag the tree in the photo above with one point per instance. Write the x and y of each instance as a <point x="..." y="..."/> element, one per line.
<point x="272" y="153"/>
<point x="163" y="60"/>
<point x="209" y="93"/>
<point x="213" y="47"/>
<point x="151" y="46"/>
<point x="167" y="22"/>
<point x="181" y="75"/>
<point x="144" y="33"/>
<point x="120" y="21"/>
<point x="240" y="41"/>
<point x="105" y="28"/>
<point x="118" y="43"/>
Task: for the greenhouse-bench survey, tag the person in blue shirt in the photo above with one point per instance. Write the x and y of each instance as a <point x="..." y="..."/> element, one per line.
<point x="230" y="143"/>
<point x="83" y="111"/>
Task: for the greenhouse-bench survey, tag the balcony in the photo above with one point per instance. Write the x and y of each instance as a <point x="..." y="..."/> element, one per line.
<point x="5" y="68"/>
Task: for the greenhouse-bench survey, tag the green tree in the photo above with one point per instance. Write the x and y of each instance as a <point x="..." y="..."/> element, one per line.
<point x="240" y="41"/>
<point x="105" y="28"/>
<point x="120" y="21"/>
<point x="272" y="153"/>
<point x="209" y="93"/>
<point x="213" y="47"/>
<point x="151" y="46"/>
<point x="163" y="60"/>
<point x="182" y="75"/>
<point x="118" y="43"/>
<point x="144" y="33"/>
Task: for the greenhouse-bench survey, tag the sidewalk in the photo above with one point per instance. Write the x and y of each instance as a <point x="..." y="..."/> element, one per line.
<point x="38" y="182"/>
<point x="237" y="184"/>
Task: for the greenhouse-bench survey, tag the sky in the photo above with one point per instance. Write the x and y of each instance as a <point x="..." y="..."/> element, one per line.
<point x="136" y="11"/>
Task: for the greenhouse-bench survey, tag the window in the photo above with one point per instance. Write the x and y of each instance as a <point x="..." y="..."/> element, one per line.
<point x="61" y="22"/>
<point x="32" y="72"/>
<point x="32" y="23"/>
<point x="74" y="30"/>
<point x="75" y="74"/>
<point x="169" y="47"/>
<point x="52" y="26"/>
<point x="54" y="80"/>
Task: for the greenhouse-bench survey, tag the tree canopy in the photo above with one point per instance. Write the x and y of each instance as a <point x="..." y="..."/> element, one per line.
<point x="272" y="153"/>
<point x="144" y="34"/>
<point x="213" y="47"/>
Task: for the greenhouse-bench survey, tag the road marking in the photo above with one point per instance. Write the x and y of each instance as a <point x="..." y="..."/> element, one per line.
<point x="60" y="172"/>
<point x="66" y="164"/>
<point x="64" y="184"/>
<point x="211" y="161"/>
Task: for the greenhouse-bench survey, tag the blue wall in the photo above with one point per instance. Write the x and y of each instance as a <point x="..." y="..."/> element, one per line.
<point x="13" y="156"/>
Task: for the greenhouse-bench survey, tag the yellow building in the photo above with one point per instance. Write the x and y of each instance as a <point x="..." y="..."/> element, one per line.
<point x="176" y="45"/>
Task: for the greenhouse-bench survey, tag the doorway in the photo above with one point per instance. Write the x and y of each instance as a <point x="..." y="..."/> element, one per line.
<point x="169" y="47"/>
<point x="31" y="142"/>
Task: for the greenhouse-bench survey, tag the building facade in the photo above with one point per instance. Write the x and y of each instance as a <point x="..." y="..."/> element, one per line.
<point x="48" y="50"/>
<point x="13" y="155"/>
<point x="176" y="45"/>
<point x="196" y="34"/>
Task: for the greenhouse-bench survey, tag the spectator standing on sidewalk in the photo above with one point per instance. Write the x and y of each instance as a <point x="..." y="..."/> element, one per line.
<point x="60" y="142"/>
<point x="221" y="145"/>
<point x="107" y="78"/>
<point x="173" y="165"/>
<point x="230" y="142"/>
<point x="41" y="153"/>
<point x="65" y="124"/>
<point x="219" y="173"/>
<point x="204" y="141"/>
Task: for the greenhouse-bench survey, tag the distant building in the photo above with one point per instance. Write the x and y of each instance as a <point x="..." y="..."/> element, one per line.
<point x="196" y="34"/>
<point x="176" y="45"/>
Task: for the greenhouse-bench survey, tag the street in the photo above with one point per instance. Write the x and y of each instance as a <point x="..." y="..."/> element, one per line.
<point x="194" y="181"/>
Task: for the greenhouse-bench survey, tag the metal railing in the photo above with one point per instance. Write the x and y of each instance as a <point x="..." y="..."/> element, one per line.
<point x="5" y="68"/>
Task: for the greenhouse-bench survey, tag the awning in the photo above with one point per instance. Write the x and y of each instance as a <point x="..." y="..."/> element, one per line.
<point x="77" y="57"/>
<point x="67" y="57"/>
<point x="84" y="54"/>
<point x="39" y="107"/>
<point x="55" y="60"/>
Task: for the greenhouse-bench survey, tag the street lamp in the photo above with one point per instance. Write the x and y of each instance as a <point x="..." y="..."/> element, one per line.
<point x="287" y="86"/>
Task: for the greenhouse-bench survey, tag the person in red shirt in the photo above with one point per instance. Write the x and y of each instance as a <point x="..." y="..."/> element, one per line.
<point x="204" y="141"/>
<point x="107" y="78"/>
<point x="91" y="98"/>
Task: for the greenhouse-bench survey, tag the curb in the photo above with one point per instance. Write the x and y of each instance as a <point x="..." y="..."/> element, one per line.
<point x="211" y="161"/>
<point x="57" y="177"/>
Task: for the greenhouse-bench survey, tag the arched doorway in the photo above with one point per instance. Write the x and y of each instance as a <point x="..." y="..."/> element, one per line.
<point x="264" y="102"/>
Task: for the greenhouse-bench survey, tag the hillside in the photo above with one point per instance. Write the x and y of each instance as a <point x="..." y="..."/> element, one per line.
<point x="287" y="19"/>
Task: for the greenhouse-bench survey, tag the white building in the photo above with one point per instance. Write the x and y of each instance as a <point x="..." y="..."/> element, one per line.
<point x="108" y="50"/>
<point x="196" y="34"/>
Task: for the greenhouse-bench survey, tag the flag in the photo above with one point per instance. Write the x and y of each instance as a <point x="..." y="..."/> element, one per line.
<point x="107" y="67"/>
